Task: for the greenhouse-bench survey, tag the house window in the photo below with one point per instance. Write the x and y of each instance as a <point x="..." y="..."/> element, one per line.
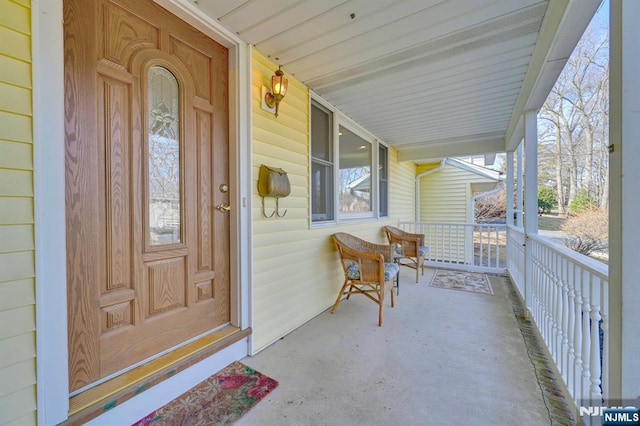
<point x="349" y="169"/>
<point x="354" y="177"/>
<point x="383" y="182"/>
<point x="322" y="199"/>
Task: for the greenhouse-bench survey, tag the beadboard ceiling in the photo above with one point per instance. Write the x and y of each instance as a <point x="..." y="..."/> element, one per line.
<point x="432" y="78"/>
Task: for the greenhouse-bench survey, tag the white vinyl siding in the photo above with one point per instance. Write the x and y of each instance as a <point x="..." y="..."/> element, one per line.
<point x="445" y="195"/>
<point x="402" y="189"/>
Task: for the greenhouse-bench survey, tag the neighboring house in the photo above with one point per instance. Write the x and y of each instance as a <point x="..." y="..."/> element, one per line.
<point x="87" y="290"/>
<point x="446" y="190"/>
<point x="446" y="193"/>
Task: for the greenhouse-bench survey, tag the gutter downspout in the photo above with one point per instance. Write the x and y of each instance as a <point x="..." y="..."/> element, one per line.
<point x="443" y="163"/>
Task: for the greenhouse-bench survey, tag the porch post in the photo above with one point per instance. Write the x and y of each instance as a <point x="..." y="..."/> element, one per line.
<point x="624" y="203"/>
<point x="531" y="172"/>
<point x="530" y="200"/>
<point x="510" y="188"/>
<point x="520" y="187"/>
<point x="418" y="212"/>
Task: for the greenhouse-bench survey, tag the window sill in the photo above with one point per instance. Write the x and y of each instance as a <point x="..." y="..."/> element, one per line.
<point x="346" y="222"/>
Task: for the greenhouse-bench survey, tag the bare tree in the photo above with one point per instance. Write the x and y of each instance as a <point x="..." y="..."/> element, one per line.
<point x="574" y="123"/>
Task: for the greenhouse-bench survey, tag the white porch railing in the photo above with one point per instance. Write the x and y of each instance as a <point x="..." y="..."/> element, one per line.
<point x="568" y="303"/>
<point x="467" y="246"/>
<point x="568" y="293"/>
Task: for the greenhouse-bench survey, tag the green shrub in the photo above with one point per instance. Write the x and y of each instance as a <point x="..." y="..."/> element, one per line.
<point x="547" y="199"/>
<point x="582" y="203"/>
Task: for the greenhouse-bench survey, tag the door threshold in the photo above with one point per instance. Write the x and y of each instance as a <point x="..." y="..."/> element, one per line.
<point x="95" y="401"/>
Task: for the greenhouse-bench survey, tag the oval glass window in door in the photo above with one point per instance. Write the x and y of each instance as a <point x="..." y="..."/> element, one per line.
<point x="164" y="203"/>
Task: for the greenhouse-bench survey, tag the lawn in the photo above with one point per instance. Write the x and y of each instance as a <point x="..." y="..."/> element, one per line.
<point x="550" y="222"/>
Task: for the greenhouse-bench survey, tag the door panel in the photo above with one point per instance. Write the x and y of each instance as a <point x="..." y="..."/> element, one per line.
<point x="146" y="150"/>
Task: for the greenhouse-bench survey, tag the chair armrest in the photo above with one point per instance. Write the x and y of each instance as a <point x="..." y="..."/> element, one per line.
<point x="420" y="238"/>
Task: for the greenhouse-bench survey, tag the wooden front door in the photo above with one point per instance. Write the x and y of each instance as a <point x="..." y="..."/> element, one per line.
<point x="146" y="157"/>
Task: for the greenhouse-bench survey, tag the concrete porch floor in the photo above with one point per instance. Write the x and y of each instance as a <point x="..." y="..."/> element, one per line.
<point x="442" y="357"/>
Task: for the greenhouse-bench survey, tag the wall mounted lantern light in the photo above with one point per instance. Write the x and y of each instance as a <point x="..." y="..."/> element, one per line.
<point x="279" y="86"/>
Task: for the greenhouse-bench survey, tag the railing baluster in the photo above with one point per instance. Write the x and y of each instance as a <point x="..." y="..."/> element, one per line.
<point x="497" y="262"/>
<point x="538" y="290"/>
<point x="548" y="295"/>
<point x="487" y="230"/>
<point x="497" y="248"/>
<point x="577" y="337"/>
<point x="550" y="302"/>
<point x="586" y="338"/>
<point x="556" y="306"/>
<point x="469" y="248"/>
<point x="564" y="352"/>
<point x="436" y="239"/>
<point x="481" y="246"/>
<point x="545" y="300"/>
<point x="540" y="284"/>
<point x="449" y="248"/>
<point x="494" y="247"/>
<point x="457" y="228"/>
<point x="432" y="250"/>
<point x="463" y="239"/>
<point x="568" y="277"/>
<point x="442" y="239"/>
<point x="596" y="392"/>
<point x="604" y="307"/>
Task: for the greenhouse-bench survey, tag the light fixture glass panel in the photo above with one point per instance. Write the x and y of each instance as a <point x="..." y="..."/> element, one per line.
<point x="279" y="85"/>
<point x="164" y="203"/>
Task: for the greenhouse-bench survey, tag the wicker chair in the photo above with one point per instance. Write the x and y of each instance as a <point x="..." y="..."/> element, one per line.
<point x="407" y="246"/>
<point x="369" y="269"/>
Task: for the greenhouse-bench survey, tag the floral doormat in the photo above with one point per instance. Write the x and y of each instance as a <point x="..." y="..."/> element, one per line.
<point x="220" y="400"/>
<point x="457" y="280"/>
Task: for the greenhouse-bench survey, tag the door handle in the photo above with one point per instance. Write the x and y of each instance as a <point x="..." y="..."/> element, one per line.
<point x="224" y="208"/>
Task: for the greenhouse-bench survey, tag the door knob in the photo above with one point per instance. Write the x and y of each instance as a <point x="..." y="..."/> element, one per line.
<point x="224" y="208"/>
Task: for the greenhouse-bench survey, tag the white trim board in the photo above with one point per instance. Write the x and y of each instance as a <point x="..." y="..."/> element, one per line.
<point x="49" y="205"/>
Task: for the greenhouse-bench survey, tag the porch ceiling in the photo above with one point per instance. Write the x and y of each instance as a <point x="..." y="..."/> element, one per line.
<point x="432" y="78"/>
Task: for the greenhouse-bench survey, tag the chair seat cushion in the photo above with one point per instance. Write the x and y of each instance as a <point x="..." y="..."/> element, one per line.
<point x="390" y="271"/>
<point x="397" y="251"/>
